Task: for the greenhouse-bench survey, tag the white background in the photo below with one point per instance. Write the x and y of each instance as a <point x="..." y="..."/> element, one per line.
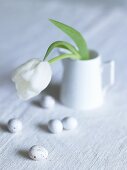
<point x="100" y="141"/>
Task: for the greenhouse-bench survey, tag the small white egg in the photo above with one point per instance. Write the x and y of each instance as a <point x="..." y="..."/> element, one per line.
<point x="14" y="125"/>
<point x="69" y="123"/>
<point x="48" y="102"/>
<point x="38" y="152"/>
<point x="55" y="126"/>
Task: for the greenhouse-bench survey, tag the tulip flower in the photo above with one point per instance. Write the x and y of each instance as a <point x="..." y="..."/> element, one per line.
<point x="31" y="78"/>
<point x="34" y="76"/>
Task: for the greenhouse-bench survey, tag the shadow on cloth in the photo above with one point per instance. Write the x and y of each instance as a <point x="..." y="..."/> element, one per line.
<point x="54" y="90"/>
<point x="3" y="127"/>
<point x="23" y="153"/>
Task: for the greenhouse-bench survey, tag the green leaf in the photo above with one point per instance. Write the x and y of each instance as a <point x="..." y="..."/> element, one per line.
<point x="76" y="37"/>
<point x="63" y="56"/>
<point x="64" y="45"/>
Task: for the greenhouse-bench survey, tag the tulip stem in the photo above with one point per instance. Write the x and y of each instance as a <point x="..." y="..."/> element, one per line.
<point x="63" y="56"/>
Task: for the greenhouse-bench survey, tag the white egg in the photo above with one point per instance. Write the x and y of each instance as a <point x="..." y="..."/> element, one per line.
<point x="14" y="125"/>
<point x="55" y="126"/>
<point x="38" y="152"/>
<point x="48" y="102"/>
<point x="69" y="123"/>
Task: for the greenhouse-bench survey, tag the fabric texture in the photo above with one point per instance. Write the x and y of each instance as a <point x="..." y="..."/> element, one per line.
<point x="100" y="141"/>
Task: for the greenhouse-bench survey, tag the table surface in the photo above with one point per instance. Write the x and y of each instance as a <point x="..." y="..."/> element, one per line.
<point x="100" y="141"/>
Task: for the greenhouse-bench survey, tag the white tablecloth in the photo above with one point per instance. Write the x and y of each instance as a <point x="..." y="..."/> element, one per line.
<point x="100" y="141"/>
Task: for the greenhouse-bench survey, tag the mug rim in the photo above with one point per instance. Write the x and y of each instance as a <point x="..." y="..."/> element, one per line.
<point x="95" y="57"/>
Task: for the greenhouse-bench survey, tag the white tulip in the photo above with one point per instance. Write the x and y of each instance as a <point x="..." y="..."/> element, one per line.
<point x="31" y="78"/>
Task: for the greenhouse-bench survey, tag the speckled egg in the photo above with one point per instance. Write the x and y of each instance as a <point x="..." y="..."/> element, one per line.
<point x="14" y="125"/>
<point x="55" y="126"/>
<point x="48" y="102"/>
<point x="38" y="152"/>
<point x="69" y="123"/>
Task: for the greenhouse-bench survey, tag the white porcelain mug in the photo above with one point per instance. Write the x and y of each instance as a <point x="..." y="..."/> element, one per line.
<point x="82" y="84"/>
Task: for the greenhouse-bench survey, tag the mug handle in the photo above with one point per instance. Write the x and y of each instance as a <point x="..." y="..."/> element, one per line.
<point x="108" y="72"/>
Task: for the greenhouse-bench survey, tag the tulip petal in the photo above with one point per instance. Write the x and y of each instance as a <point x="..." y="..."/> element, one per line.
<point x="31" y="78"/>
<point x="41" y="76"/>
